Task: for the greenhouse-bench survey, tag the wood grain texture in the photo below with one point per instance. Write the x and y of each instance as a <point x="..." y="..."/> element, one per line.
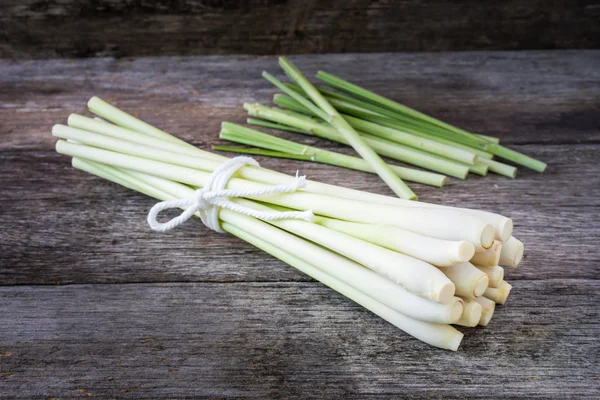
<point x="94" y="304"/>
<point x="286" y="340"/>
<point x="80" y="28"/>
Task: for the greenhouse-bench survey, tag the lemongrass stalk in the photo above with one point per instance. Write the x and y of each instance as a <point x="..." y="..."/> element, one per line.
<point x="494" y="273"/>
<point x="500" y="294"/>
<point x="264" y="152"/>
<point x="469" y="281"/>
<point x="357" y="164"/>
<point x="239" y="134"/>
<point x="118" y="176"/>
<point x="442" y="224"/>
<point x="335" y="266"/>
<point x="289" y="103"/>
<point x="512" y="252"/>
<point x="414" y="275"/>
<point x="407" y="139"/>
<point x="272" y="125"/>
<point x="353" y="138"/>
<point x="479" y="168"/>
<point x="488" y="257"/>
<point x="472" y="313"/>
<point x="492" y="139"/>
<point x="438" y="335"/>
<point x="516" y="157"/>
<point x="499" y="168"/>
<point x="382" y="146"/>
<point x="488" y="307"/>
<point x="493" y="148"/>
<point x="441" y="253"/>
<point x="303" y="100"/>
<point x="502" y="225"/>
<point x="211" y="160"/>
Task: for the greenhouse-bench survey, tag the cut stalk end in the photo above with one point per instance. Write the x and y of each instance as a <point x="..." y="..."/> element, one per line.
<point x="481" y="286"/>
<point x="466" y="250"/>
<point x="457" y="311"/>
<point x="487" y="236"/>
<point x="446" y="293"/>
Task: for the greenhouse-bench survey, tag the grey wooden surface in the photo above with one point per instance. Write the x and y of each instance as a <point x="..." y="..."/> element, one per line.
<point x="101" y="28"/>
<point x="92" y="303"/>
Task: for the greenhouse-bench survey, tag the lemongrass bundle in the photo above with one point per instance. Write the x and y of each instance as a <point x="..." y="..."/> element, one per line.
<point x="403" y="260"/>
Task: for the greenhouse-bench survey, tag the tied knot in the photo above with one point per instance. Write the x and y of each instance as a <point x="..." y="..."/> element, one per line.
<point x="207" y="201"/>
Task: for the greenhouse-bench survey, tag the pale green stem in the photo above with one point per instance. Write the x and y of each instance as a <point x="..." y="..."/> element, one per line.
<point x="353" y="138"/>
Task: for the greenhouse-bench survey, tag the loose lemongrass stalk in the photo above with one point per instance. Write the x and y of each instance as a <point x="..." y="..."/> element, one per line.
<point x="499" y="168"/>
<point x="472" y="314"/>
<point x="469" y="281"/>
<point x="414" y="275"/>
<point x="210" y="160"/>
<point x="492" y="139"/>
<point x="417" y="142"/>
<point x="443" y="224"/>
<point x="494" y="273"/>
<point x="353" y="138"/>
<point x="272" y="125"/>
<point x="289" y="103"/>
<point x="441" y="253"/>
<point x="335" y="266"/>
<point x="512" y="252"/>
<point x="488" y="257"/>
<point x="409" y="174"/>
<point x="438" y="335"/>
<point x="145" y="134"/>
<point x="239" y="134"/>
<point x="516" y="157"/>
<point x="493" y="148"/>
<point x="382" y="146"/>
<point x="498" y="295"/>
<point x="488" y="310"/>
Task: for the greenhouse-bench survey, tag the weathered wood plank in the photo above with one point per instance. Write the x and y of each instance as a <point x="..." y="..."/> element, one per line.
<point x="522" y="97"/>
<point x="62" y="225"/>
<point x="289" y="340"/>
<point x="77" y="28"/>
<point x="235" y="322"/>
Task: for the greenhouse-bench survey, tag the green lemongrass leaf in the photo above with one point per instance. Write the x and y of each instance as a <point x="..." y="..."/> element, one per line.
<point x="353" y="138"/>
<point x="345" y="86"/>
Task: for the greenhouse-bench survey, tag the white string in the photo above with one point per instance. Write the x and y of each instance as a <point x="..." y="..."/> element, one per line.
<point x="214" y="195"/>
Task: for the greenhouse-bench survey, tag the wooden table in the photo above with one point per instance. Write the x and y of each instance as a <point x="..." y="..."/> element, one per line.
<point x="93" y="303"/>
